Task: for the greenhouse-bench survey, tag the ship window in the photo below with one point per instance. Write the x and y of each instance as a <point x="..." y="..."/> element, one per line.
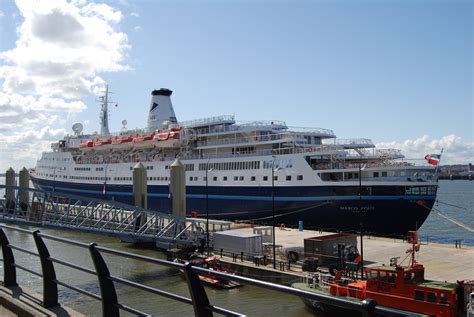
<point x="241" y="178"/>
<point x="383" y="276"/>
<point x="190" y="178"/>
<point x="419" y="295"/>
<point x="265" y="178"/>
<point x="384" y="174"/>
<point x="442" y="298"/>
<point x="299" y="177"/>
<point x="252" y="178"/>
<point x="224" y="178"/>
<point x="236" y="178"/>
<point x="392" y="278"/>
<point x="214" y="178"/>
<point x="131" y="167"/>
<point x="372" y="275"/>
<point x="275" y="178"/>
<point x="195" y="178"/>
<point x="431" y="297"/>
<point x="288" y="177"/>
<point x="376" y="174"/>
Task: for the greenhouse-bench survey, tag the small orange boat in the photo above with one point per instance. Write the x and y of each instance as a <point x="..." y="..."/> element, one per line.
<point x="143" y="141"/>
<point x="122" y="142"/>
<point x="212" y="263"/>
<point x="101" y="142"/>
<point x="86" y="144"/>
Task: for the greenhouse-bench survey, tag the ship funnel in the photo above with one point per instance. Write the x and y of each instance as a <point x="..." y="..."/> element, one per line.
<point x="161" y="114"/>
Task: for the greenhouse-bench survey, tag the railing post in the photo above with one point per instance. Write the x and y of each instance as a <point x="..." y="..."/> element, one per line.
<point x="107" y="287"/>
<point x="198" y="293"/>
<point x="368" y="306"/>
<point x="50" y="288"/>
<point x="9" y="270"/>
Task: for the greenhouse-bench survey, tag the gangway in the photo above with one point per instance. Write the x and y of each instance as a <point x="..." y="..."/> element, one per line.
<point x="129" y="223"/>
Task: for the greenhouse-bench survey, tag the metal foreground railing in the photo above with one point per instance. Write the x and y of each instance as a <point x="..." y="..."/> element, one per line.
<point x="129" y="223"/>
<point x="108" y="296"/>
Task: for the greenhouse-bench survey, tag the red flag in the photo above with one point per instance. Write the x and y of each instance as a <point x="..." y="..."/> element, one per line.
<point x="432" y="159"/>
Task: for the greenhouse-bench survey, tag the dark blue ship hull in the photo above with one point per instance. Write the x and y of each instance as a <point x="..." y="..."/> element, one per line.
<point x="379" y="210"/>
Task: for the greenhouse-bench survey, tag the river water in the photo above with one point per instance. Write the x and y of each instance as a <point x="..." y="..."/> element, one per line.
<point x="455" y="200"/>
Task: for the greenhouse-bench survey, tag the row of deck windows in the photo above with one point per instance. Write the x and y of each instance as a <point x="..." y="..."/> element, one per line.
<point x="431" y="297"/>
<point x="82" y="168"/>
<point x="230" y="166"/>
<point x="149" y="167"/>
<point x="158" y="178"/>
<point x="89" y="178"/>
<point x="242" y="178"/>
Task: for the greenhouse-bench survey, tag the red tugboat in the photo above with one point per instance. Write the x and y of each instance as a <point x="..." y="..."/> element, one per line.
<point x="395" y="286"/>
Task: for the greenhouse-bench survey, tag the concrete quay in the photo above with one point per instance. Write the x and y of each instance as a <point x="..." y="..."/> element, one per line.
<point x="443" y="262"/>
<point x="20" y="301"/>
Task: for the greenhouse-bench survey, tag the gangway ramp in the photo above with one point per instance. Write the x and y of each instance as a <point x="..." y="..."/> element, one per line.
<point x="127" y="222"/>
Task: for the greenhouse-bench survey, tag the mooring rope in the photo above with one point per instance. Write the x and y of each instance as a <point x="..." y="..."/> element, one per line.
<point x="441" y="202"/>
<point x="456" y="222"/>
<point x="290" y="212"/>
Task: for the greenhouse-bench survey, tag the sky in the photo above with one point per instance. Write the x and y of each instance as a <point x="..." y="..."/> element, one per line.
<point x="399" y="72"/>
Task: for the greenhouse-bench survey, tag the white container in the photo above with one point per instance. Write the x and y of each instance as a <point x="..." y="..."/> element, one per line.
<point x="236" y="242"/>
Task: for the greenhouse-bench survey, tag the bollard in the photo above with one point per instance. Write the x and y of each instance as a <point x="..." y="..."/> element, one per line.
<point x="140" y="192"/>
<point x="222" y="250"/>
<point x="10" y="192"/>
<point x="24" y="194"/>
<point x="300" y="225"/>
<point x="241" y="257"/>
<point x="178" y="188"/>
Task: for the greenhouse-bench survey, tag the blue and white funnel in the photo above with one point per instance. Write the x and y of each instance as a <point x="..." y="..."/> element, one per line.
<point x="161" y="114"/>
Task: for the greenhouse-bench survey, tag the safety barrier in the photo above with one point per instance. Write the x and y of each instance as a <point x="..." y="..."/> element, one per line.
<point x="108" y="296"/>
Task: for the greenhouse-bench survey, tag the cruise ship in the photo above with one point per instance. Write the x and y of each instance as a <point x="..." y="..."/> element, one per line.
<point x="260" y="172"/>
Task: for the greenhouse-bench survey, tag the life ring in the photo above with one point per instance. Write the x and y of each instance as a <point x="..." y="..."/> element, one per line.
<point x="282" y="226"/>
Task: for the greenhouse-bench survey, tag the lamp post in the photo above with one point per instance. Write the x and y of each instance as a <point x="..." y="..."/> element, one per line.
<point x="104" y="190"/>
<point x="207" y="206"/>
<point x="273" y="211"/>
<point x="54" y="179"/>
<point x="361" y="225"/>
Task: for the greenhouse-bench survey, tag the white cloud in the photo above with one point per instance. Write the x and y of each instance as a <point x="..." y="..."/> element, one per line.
<point x="2" y="14"/>
<point x="134" y="14"/>
<point x="456" y="150"/>
<point x="62" y="48"/>
<point x="137" y="28"/>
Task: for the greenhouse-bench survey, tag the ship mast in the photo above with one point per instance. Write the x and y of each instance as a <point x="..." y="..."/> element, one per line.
<point x="104" y="117"/>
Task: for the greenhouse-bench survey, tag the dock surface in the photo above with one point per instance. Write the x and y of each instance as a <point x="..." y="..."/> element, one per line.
<point x="443" y="262"/>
